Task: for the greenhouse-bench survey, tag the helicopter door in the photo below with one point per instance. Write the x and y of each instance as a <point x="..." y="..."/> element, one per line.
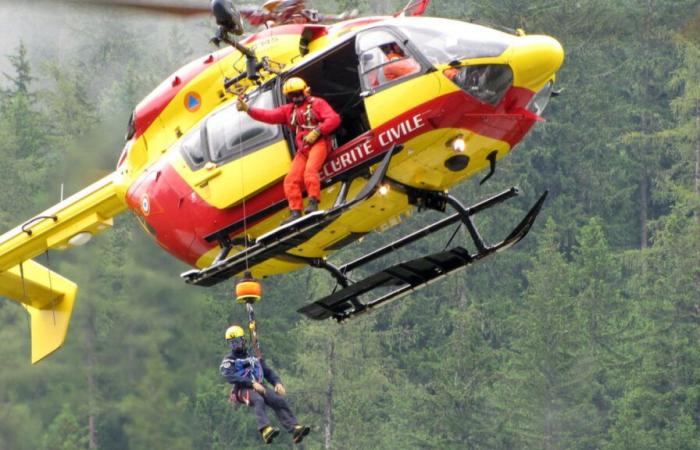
<point x="333" y="76"/>
<point x="394" y="77"/>
<point x="245" y="156"/>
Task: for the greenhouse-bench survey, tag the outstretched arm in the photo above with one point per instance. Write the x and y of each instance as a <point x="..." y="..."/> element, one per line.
<point x="273" y="116"/>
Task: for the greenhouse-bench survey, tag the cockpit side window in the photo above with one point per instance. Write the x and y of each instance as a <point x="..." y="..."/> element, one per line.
<point x="383" y="59"/>
<point x="192" y="147"/>
<point x="230" y="133"/>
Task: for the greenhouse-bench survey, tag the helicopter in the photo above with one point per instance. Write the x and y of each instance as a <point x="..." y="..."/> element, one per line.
<point x="205" y="180"/>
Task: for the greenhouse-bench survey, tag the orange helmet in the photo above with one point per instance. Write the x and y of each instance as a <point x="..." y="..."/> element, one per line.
<point x="294" y="84"/>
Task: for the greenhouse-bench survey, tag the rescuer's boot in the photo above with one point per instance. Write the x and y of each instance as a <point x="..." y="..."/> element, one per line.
<point x="299" y="432"/>
<point x="268" y="434"/>
<point x="313" y="206"/>
<point x="294" y="214"/>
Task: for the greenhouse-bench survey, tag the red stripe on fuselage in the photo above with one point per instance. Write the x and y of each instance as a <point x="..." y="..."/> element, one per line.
<point x="454" y="110"/>
<point x="182" y="219"/>
<point x="505" y="122"/>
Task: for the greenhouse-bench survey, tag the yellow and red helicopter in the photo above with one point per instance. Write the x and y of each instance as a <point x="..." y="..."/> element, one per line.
<point x="205" y="180"/>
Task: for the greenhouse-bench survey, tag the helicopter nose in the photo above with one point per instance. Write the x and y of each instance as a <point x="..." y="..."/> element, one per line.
<point x="534" y="59"/>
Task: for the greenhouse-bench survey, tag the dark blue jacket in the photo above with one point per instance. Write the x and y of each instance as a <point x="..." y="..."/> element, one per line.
<point x="241" y="368"/>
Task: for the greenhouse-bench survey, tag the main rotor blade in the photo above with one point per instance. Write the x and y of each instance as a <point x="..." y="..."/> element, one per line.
<point x="185" y="10"/>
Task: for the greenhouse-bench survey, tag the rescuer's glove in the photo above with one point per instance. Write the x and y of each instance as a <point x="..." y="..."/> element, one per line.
<point x="312" y="137"/>
<point x="279" y="389"/>
<point x="241" y="105"/>
<point x="259" y="388"/>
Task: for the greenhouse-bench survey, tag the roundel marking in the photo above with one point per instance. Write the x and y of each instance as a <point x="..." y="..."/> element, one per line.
<point x="145" y="205"/>
<point x="193" y="101"/>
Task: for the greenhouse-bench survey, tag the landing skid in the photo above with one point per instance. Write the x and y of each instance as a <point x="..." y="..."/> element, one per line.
<point x="412" y="275"/>
<point x="278" y="241"/>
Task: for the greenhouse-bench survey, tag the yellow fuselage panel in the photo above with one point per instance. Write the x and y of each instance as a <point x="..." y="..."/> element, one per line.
<point x="384" y="105"/>
<point x="230" y="183"/>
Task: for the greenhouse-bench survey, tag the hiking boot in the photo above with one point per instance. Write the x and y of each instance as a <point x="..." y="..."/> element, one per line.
<point x="268" y="434"/>
<point x="313" y="206"/>
<point x="294" y="214"/>
<point x="299" y="432"/>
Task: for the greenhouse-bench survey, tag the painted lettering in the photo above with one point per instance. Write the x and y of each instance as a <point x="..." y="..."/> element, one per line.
<point x="403" y="129"/>
<point x="336" y="165"/>
<point x="348" y="158"/>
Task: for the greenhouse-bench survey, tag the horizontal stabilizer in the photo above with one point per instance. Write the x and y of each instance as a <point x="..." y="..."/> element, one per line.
<point x="47" y="297"/>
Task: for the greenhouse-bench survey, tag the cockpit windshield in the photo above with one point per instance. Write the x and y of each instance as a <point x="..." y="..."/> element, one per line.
<point x="443" y="40"/>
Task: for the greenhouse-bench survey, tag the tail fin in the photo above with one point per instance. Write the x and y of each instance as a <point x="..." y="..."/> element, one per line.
<point x="47" y="297"/>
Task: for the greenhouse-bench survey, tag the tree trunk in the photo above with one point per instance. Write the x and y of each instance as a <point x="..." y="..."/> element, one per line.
<point x="697" y="160"/>
<point x="328" y="413"/>
<point x="90" y="337"/>
<point x="643" y="210"/>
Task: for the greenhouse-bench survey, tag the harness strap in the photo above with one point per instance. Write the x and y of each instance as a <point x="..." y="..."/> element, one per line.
<point x="309" y="117"/>
<point x="241" y="396"/>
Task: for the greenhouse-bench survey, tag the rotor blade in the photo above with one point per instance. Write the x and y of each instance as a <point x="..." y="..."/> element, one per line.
<point x="185" y="10"/>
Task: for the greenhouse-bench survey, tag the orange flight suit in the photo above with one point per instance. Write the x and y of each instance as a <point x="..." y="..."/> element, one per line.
<point x="399" y="66"/>
<point x="315" y="113"/>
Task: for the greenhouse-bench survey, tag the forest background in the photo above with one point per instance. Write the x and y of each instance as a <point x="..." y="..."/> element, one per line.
<point x="583" y="336"/>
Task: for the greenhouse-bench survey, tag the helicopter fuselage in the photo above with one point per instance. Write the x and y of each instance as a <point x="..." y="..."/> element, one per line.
<point x="197" y="172"/>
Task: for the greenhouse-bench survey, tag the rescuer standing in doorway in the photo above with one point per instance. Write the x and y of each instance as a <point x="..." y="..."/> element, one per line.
<point x="312" y="120"/>
<point x="247" y="374"/>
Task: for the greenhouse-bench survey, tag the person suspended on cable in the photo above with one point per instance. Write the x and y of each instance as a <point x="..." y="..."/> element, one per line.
<point x="248" y="374"/>
<point x="312" y="120"/>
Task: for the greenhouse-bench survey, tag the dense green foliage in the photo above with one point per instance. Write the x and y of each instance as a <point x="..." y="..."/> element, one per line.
<point x="583" y="336"/>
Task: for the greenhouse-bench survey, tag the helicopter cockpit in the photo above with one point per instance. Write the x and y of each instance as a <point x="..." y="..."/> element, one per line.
<point x="444" y="41"/>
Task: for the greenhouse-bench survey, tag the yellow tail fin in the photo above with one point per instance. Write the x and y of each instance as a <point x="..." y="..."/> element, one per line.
<point x="49" y="299"/>
<point x="47" y="296"/>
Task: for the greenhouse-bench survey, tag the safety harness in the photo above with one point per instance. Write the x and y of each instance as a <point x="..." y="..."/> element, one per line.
<point x="249" y="368"/>
<point x="310" y="119"/>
